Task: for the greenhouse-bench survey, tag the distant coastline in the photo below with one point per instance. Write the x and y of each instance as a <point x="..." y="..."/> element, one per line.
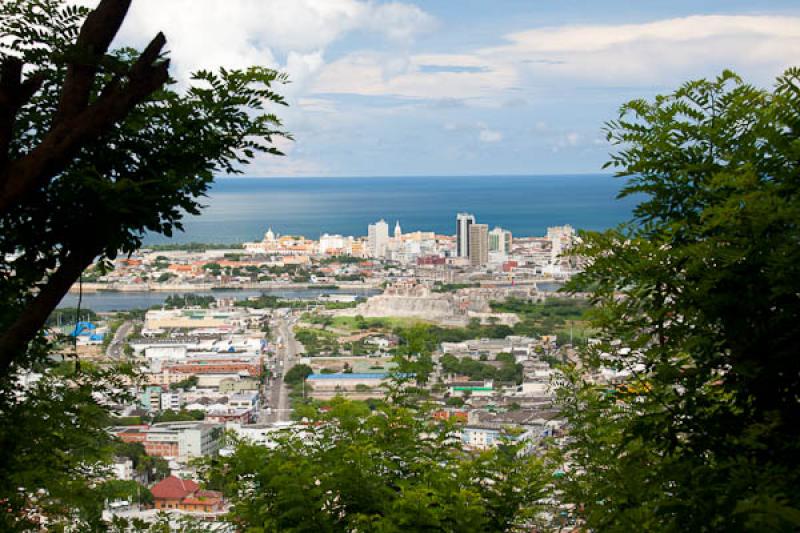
<point x="241" y="209"/>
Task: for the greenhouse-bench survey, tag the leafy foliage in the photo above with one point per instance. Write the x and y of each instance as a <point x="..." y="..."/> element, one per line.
<point x="392" y="469"/>
<point x="142" y="175"/>
<point x="697" y="307"/>
<point x="297" y="374"/>
<point x="54" y="446"/>
<point x="510" y="371"/>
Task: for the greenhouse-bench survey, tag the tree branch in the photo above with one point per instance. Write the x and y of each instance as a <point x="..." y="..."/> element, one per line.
<point x="97" y="32"/>
<point x="65" y="139"/>
<point x="14" y="93"/>
<point x="14" y="341"/>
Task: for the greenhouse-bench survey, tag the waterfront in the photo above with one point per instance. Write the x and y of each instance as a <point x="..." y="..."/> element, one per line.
<point x="241" y="209"/>
<point x="125" y="301"/>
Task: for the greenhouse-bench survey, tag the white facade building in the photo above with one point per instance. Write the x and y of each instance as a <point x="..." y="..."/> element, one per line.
<point x="335" y="245"/>
<point x="463" y="223"/>
<point x="378" y="238"/>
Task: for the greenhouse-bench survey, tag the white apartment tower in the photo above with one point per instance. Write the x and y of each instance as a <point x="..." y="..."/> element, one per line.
<point x="463" y="223"/>
<point x="561" y="238"/>
<point x="378" y="238"/>
<point x="500" y="241"/>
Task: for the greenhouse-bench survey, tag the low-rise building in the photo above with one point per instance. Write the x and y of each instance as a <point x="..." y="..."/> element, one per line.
<point x="185" y="495"/>
<point x="181" y="440"/>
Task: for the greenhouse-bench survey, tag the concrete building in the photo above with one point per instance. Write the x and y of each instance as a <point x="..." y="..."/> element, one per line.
<point x="171" y="400"/>
<point x="562" y="238"/>
<point x="463" y="223"/>
<point x="150" y="398"/>
<point x="335" y="245"/>
<point x="181" y="440"/>
<point x="478" y="244"/>
<point x="484" y="437"/>
<point x="500" y="241"/>
<point x="185" y="495"/>
<point x="378" y="238"/>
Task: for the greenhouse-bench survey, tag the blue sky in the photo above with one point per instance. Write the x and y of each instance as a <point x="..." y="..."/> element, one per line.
<point x="466" y="87"/>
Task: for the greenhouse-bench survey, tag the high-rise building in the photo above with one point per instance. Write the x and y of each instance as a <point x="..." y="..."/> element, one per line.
<point x="463" y="223"/>
<point x="378" y="238"/>
<point x="478" y="244"/>
<point x="500" y="241"/>
<point x="397" y="231"/>
<point x="562" y="238"/>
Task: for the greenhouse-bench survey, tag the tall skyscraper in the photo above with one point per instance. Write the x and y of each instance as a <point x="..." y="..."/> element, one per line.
<point x="500" y="241"/>
<point x="397" y="231"/>
<point x="463" y="223"/>
<point x="478" y="244"/>
<point x="378" y="238"/>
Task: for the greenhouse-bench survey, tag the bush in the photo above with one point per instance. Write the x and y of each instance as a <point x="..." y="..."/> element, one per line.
<point x="297" y="374"/>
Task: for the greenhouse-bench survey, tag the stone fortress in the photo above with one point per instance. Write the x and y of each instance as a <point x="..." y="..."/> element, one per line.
<point x="408" y="299"/>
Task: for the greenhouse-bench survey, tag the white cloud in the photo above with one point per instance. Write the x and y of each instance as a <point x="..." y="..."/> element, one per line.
<point x="661" y="52"/>
<point x="487" y="135"/>
<point x="288" y="35"/>
<point x="373" y="74"/>
<point x="654" y="52"/>
<point x="240" y="33"/>
<point x="572" y="138"/>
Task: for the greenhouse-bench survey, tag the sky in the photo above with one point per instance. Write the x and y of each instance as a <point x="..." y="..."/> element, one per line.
<point x="467" y="87"/>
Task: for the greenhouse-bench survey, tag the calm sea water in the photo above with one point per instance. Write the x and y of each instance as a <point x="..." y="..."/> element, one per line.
<point x="241" y="209"/>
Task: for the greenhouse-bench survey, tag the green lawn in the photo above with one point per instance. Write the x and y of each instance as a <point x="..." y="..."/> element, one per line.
<point x="352" y="323"/>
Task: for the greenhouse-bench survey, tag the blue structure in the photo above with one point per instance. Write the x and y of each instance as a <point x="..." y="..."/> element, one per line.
<point x="342" y="375"/>
<point x="86" y="329"/>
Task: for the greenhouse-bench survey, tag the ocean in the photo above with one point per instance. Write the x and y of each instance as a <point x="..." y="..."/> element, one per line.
<point x="242" y="209"/>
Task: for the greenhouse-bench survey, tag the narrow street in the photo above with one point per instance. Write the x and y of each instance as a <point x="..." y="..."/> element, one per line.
<point x="277" y="391"/>
<point x="118" y="342"/>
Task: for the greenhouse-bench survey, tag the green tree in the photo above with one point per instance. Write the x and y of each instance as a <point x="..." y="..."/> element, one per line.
<point x="179" y="416"/>
<point x="696" y="302"/>
<point x="97" y="148"/>
<point x="297" y="374"/>
<point x="391" y="469"/>
<point x="54" y="446"/>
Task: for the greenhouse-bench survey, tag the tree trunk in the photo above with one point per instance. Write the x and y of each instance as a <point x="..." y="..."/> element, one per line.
<point x="15" y="339"/>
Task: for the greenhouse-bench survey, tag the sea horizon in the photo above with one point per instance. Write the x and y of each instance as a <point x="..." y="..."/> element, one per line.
<point x="243" y="208"/>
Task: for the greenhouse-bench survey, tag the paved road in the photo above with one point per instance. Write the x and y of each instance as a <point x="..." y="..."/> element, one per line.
<point x="115" y="348"/>
<point x="277" y="391"/>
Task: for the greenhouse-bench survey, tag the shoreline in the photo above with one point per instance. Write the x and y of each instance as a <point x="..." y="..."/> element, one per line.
<point x="114" y="288"/>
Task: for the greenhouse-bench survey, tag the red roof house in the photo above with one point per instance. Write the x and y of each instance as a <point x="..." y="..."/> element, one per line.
<point x="184" y="494"/>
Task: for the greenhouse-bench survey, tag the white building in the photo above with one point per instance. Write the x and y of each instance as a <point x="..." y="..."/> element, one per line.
<point x="500" y="241"/>
<point x="335" y="245"/>
<point x="122" y="469"/>
<point x="193" y="439"/>
<point x="562" y="238"/>
<point x="378" y="238"/>
<point x="171" y="400"/>
<point x="463" y="223"/>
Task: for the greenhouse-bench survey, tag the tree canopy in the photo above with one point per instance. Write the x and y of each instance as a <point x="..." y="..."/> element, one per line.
<point x="99" y="147"/>
<point x="391" y="469"/>
<point x="697" y="309"/>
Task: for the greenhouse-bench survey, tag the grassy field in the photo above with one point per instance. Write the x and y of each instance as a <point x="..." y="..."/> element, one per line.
<point x="353" y="324"/>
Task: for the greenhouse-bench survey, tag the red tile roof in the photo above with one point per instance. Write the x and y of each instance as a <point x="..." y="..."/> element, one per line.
<point x="174" y="488"/>
<point x="204" y="497"/>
